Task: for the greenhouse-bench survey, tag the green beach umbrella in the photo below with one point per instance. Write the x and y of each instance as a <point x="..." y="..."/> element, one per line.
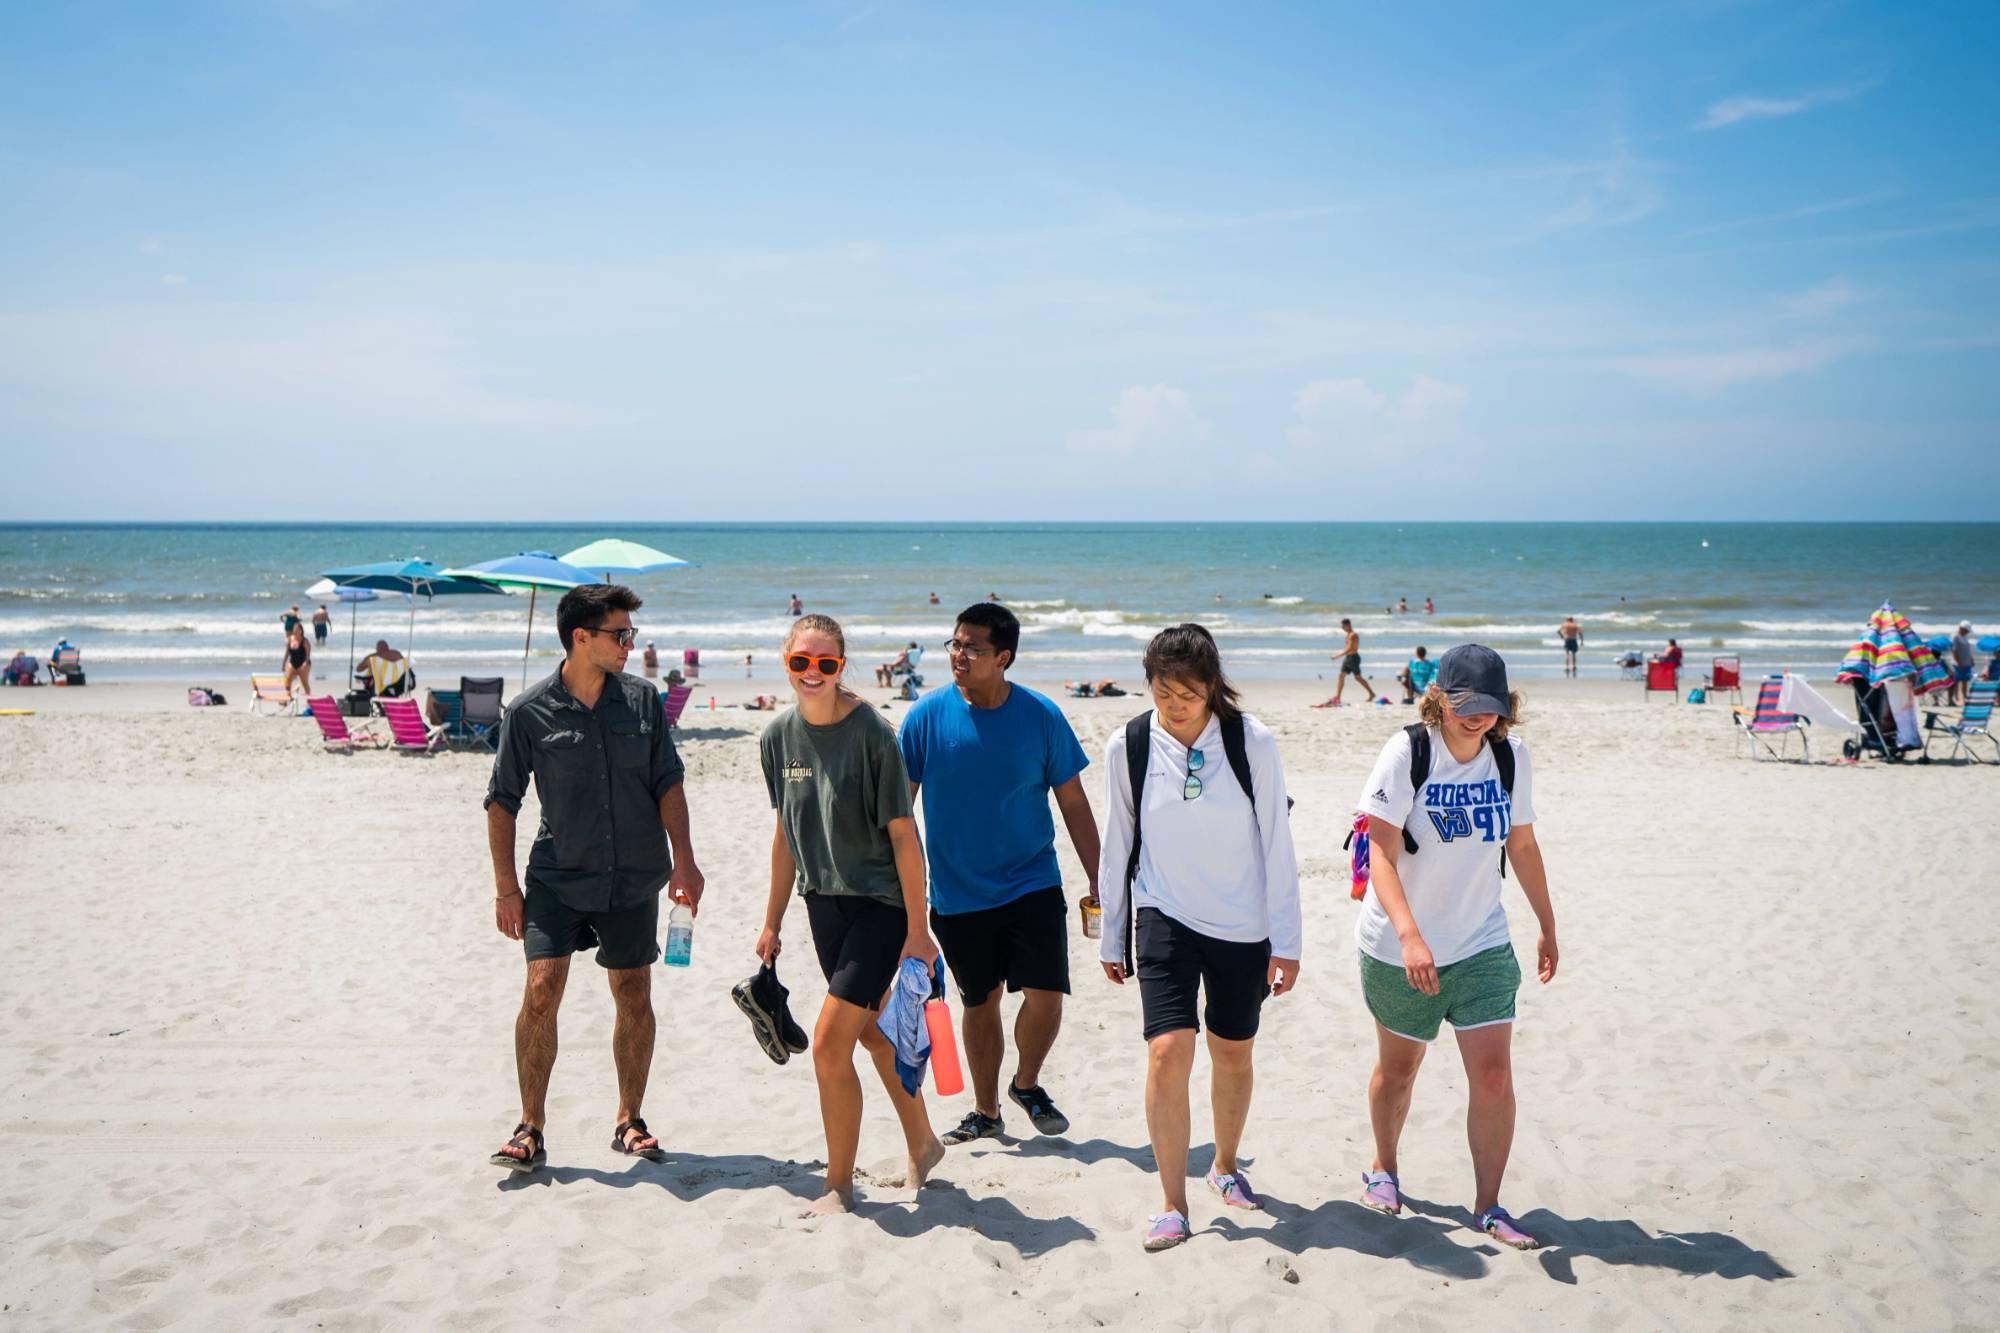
<point x="615" y="555"/>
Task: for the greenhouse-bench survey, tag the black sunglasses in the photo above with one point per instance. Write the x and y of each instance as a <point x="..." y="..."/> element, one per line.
<point x="626" y="637"/>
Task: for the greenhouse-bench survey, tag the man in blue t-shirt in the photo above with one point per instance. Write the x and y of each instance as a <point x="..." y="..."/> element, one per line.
<point x="986" y="755"/>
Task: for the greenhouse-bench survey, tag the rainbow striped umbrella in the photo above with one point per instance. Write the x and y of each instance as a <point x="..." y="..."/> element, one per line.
<point x="1889" y="649"/>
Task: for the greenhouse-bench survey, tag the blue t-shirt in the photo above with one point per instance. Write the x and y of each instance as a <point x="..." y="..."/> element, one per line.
<point x="1423" y="671"/>
<point x="986" y="774"/>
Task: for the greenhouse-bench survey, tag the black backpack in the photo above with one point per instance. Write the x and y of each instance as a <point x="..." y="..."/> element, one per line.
<point x="1420" y="773"/>
<point x="1138" y="755"/>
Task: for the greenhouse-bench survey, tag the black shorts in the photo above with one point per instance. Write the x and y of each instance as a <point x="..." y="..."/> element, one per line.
<point x="859" y="942"/>
<point x="1175" y="959"/>
<point x="1024" y="943"/>
<point x="627" y="937"/>
<point x="1571" y="645"/>
<point x="1350" y="665"/>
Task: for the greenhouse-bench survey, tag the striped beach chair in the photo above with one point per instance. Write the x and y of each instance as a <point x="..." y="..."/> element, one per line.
<point x="1974" y="724"/>
<point x="334" y="732"/>
<point x="273" y="693"/>
<point x="408" y="731"/>
<point x="1763" y="721"/>
<point x="675" y="701"/>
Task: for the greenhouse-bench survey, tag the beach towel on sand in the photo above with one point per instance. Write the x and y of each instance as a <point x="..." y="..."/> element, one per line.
<point x="902" y="1020"/>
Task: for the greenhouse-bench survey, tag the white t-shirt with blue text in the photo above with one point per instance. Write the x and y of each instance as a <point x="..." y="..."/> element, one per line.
<point x="1460" y="821"/>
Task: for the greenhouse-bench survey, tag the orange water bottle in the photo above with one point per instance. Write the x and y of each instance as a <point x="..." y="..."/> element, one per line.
<point x="946" y="1077"/>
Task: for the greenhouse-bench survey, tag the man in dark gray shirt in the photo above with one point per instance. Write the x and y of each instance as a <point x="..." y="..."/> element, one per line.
<point x="595" y="742"/>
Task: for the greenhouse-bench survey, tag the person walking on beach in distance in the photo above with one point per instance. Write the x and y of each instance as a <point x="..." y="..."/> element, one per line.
<point x="596" y="743"/>
<point x="798" y="607"/>
<point x="1212" y="896"/>
<point x="846" y="837"/>
<point x="322" y="623"/>
<point x="1964" y="658"/>
<point x="297" y="659"/>
<point x="1571" y="635"/>
<point x="1349" y="658"/>
<point x="1432" y="933"/>
<point x="649" y="661"/>
<point x="986" y="755"/>
<point x="289" y="620"/>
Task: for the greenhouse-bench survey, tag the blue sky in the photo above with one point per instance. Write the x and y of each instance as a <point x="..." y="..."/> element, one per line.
<point x="880" y="260"/>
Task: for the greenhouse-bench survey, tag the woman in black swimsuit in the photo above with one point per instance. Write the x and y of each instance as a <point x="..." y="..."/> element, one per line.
<point x="298" y="659"/>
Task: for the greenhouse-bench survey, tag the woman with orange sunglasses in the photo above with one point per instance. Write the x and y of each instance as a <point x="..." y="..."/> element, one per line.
<point x="846" y="836"/>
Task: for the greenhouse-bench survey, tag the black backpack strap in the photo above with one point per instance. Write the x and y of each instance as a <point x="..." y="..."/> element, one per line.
<point x="1503" y="759"/>
<point x="1138" y="754"/>
<point x="1420" y="773"/>
<point x="1237" y="750"/>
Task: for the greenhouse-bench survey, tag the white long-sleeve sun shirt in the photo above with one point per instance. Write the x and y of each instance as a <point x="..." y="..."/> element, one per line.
<point x="1212" y="863"/>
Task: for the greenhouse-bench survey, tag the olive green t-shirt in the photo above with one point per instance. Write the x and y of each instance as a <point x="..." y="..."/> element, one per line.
<point x="835" y="789"/>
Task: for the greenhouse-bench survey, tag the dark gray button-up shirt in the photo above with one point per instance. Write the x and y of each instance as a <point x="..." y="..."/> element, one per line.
<point x="599" y="773"/>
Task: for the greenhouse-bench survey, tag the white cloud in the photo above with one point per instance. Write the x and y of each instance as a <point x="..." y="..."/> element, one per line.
<point x="1822" y="299"/>
<point x="1353" y="413"/>
<point x="1736" y="110"/>
<point x="1712" y="372"/>
<point x="1156" y="416"/>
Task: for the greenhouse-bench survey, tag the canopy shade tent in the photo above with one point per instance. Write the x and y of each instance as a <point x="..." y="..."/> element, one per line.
<point x="533" y="570"/>
<point x="615" y="555"/>
<point x="413" y="578"/>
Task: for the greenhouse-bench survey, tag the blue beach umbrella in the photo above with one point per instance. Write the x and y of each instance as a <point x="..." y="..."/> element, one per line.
<point x="533" y="570"/>
<point x="1989" y="643"/>
<point x="412" y="578"/>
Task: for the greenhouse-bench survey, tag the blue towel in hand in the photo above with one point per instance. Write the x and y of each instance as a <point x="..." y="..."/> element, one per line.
<point x="902" y="1020"/>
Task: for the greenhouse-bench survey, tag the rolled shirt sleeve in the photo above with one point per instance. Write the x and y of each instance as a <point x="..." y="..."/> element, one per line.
<point x="511" y="766"/>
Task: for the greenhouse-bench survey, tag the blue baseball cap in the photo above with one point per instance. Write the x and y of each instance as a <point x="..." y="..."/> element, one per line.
<point x="1474" y="678"/>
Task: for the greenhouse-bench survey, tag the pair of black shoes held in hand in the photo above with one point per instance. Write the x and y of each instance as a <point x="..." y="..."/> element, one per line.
<point x="762" y="999"/>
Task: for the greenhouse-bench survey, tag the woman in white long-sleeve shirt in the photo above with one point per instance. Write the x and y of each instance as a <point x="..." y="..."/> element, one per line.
<point x="1214" y="904"/>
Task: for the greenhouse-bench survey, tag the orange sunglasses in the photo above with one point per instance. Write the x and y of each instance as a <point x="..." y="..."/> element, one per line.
<point x="799" y="663"/>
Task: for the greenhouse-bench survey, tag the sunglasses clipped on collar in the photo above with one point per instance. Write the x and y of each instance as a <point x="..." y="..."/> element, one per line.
<point x="798" y="664"/>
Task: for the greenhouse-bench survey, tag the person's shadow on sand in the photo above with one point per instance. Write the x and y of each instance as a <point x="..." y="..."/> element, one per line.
<point x="691" y="1176"/>
<point x="685" y="1175"/>
<point x="943" y="1204"/>
<point x="1342" y="1224"/>
<point x="1090" y="1152"/>
<point x="1625" y="1242"/>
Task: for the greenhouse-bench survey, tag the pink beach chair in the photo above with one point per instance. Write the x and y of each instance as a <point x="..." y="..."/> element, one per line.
<point x="334" y="733"/>
<point x="675" y="701"/>
<point x="407" y="729"/>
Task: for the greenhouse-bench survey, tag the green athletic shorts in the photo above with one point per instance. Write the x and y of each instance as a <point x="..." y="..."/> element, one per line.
<point x="1473" y="992"/>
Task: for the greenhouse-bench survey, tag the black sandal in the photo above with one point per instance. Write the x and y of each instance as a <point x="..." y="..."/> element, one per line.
<point x="525" y="1136"/>
<point x="653" y="1154"/>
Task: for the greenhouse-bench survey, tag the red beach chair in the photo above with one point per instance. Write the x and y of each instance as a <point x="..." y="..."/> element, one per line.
<point x="1663" y="678"/>
<point x="334" y="733"/>
<point x="1726" y="674"/>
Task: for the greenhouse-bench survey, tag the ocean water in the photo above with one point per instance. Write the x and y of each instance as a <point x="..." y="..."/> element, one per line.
<point x="201" y="602"/>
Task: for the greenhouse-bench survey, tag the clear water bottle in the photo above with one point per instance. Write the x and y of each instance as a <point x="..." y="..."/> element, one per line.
<point x="680" y="936"/>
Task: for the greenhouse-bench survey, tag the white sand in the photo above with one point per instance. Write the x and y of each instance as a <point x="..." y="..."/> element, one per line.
<point x="259" y="1046"/>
